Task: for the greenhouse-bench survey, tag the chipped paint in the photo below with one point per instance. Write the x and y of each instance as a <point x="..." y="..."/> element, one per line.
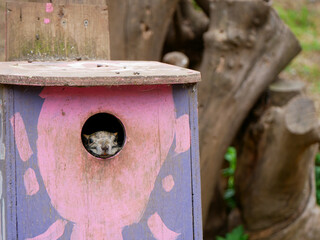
<point x="49" y="7"/>
<point x="21" y="137"/>
<point x="46" y="20"/>
<point x="2" y="151"/>
<point x="183" y="134"/>
<point x="1" y="184"/>
<point x="30" y="182"/>
<point x="168" y="183"/>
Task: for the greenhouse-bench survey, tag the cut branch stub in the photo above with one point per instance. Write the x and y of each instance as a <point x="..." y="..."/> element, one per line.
<point x="300" y="116"/>
<point x="282" y="90"/>
<point x="176" y="58"/>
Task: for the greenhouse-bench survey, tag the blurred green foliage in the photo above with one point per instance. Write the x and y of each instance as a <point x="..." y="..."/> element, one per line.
<point x="303" y="19"/>
<point x="231" y="158"/>
<point x="236" y="234"/>
<point x="301" y="23"/>
<point x="196" y="6"/>
<point x="317" y="170"/>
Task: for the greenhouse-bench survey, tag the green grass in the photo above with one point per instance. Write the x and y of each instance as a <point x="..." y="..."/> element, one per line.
<point x="310" y="70"/>
<point x="302" y="24"/>
<point x="303" y="19"/>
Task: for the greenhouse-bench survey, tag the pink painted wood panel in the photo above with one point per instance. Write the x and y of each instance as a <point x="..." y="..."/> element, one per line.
<point x="110" y="194"/>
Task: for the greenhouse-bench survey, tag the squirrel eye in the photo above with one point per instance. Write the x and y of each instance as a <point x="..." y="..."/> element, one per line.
<point x="90" y="140"/>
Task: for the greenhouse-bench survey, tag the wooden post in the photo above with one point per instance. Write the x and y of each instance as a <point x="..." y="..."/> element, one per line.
<point x="2" y="30"/>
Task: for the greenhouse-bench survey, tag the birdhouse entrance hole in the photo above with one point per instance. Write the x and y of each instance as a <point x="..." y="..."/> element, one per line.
<point x="103" y="135"/>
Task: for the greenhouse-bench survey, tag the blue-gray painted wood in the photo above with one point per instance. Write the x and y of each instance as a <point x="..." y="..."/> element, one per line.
<point x="195" y="162"/>
<point x="9" y="176"/>
<point x="2" y="168"/>
<point x="35" y="213"/>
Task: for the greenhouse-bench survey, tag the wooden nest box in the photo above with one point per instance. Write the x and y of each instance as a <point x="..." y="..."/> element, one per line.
<point x="53" y="187"/>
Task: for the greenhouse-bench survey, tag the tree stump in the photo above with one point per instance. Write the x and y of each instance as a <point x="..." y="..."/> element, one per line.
<point x="274" y="179"/>
<point x="246" y="46"/>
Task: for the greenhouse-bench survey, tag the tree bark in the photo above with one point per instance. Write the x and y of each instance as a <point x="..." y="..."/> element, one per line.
<point x="138" y="28"/>
<point x="185" y="33"/>
<point x="246" y="46"/>
<point x="274" y="179"/>
<point x="205" y="5"/>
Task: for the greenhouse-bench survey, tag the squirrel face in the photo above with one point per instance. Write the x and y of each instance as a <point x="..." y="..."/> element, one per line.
<point x="102" y="144"/>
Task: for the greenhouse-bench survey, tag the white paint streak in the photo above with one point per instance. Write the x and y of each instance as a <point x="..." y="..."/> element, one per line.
<point x="54" y="232"/>
<point x="160" y="230"/>
<point x="2" y="151"/>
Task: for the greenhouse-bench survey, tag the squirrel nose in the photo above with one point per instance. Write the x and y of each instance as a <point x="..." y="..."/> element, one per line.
<point x="104" y="148"/>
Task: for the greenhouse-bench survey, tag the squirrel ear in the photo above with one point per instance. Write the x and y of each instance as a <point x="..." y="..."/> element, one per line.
<point x="116" y="134"/>
<point x="86" y="136"/>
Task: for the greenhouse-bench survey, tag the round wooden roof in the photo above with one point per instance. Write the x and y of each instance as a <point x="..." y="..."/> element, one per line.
<point x="94" y="73"/>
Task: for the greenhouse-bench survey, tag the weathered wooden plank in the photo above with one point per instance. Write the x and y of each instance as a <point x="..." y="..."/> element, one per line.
<point x="2" y="30"/>
<point x="3" y="10"/>
<point x="48" y="31"/>
<point x="87" y="2"/>
<point x="94" y="73"/>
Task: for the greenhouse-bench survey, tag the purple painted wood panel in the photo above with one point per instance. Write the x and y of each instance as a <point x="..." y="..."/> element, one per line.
<point x="2" y="167"/>
<point x="195" y="163"/>
<point x="148" y="191"/>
